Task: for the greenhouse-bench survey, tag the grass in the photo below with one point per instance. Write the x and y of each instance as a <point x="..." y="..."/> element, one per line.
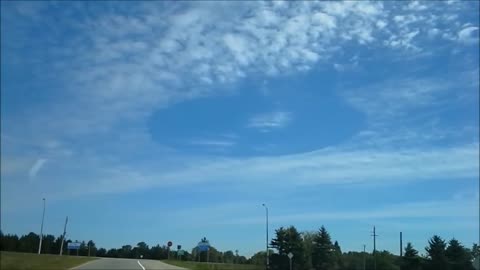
<point x="31" y="261"/>
<point x="213" y="266"/>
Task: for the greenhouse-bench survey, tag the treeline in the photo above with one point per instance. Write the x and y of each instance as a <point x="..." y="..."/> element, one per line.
<point x="311" y="250"/>
<point x="316" y="250"/>
<point x="51" y="245"/>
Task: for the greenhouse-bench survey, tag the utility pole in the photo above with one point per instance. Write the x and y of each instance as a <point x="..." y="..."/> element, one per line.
<point x="364" y="258"/>
<point x="63" y="236"/>
<point x="266" y="242"/>
<point x="41" y="229"/>
<point x="374" y="249"/>
<point x="401" y="245"/>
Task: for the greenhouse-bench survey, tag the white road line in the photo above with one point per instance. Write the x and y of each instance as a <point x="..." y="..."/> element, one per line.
<point x="141" y="265"/>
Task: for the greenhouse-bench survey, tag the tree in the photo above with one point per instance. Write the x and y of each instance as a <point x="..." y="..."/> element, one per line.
<point x="83" y="249"/>
<point x="48" y="244"/>
<point x="386" y="261"/>
<point x="141" y="250"/>
<point x="323" y="252"/>
<point x="437" y="259"/>
<point x="57" y="245"/>
<point x="475" y="251"/>
<point x="9" y="242"/>
<point x="459" y="258"/>
<point x="158" y="253"/>
<point x="29" y="243"/>
<point x="286" y="241"/>
<point x="92" y="249"/>
<point x="258" y="258"/>
<point x="353" y="260"/>
<point x="101" y="252"/>
<point x="411" y="260"/>
<point x="125" y="252"/>
<point x="113" y="253"/>
<point x="337" y="253"/>
<point x="228" y="256"/>
<point x="308" y="239"/>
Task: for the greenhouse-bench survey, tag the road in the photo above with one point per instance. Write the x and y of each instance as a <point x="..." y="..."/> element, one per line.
<point x="125" y="264"/>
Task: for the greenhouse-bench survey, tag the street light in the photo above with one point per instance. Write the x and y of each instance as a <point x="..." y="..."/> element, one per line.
<point x="41" y="228"/>
<point x="266" y="215"/>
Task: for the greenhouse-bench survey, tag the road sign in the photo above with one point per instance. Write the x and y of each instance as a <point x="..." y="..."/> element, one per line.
<point x="203" y="247"/>
<point x="180" y="252"/>
<point x="169" y="244"/>
<point x="73" y="245"/>
<point x="179" y="247"/>
<point x="290" y="255"/>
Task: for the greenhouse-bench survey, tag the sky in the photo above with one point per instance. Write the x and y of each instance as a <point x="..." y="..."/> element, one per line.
<point x="173" y="121"/>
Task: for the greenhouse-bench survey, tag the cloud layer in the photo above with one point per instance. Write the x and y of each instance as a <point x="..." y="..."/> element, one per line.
<point x="118" y="68"/>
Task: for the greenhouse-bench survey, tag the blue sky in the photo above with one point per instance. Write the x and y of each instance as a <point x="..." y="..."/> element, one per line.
<point x="164" y="121"/>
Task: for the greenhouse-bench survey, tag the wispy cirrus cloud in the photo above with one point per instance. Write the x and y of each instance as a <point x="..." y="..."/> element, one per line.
<point x="395" y="99"/>
<point x="430" y="211"/>
<point x="322" y="167"/>
<point x="36" y="167"/>
<point x="465" y="208"/>
<point x="467" y="35"/>
<point x="213" y="143"/>
<point x="269" y="121"/>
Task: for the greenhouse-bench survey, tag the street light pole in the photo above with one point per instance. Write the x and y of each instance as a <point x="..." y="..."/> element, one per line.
<point x="63" y="236"/>
<point x="41" y="228"/>
<point x="266" y="242"/>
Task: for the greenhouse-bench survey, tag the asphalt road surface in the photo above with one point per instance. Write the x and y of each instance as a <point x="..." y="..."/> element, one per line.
<point x="125" y="264"/>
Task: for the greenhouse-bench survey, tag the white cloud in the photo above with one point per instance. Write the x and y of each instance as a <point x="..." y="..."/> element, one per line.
<point x="338" y="67"/>
<point x="325" y="20"/>
<point x="268" y="121"/>
<point x="321" y="167"/>
<point x="435" y="209"/>
<point x="36" y="167"/>
<point x="433" y="32"/>
<point x="213" y="143"/>
<point x="451" y="208"/>
<point x="381" y="24"/>
<point x="127" y="68"/>
<point x="392" y="99"/>
<point x="468" y="36"/>
<point x="416" y="6"/>
<point x="117" y="70"/>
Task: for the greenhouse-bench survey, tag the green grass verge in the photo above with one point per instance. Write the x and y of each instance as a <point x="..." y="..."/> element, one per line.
<point x="213" y="266"/>
<point x="31" y="261"/>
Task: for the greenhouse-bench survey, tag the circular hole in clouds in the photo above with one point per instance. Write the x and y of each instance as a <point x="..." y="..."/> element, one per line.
<point x="249" y="123"/>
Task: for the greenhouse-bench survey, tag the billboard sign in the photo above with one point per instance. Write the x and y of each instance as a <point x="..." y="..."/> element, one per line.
<point x="73" y="245"/>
